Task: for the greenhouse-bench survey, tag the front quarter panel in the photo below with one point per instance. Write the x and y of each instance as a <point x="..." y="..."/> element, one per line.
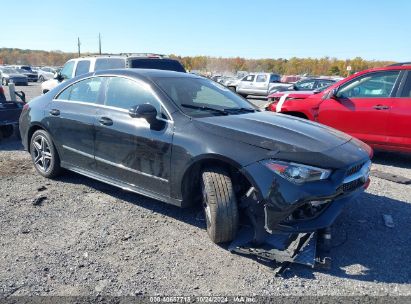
<point x="191" y="145"/>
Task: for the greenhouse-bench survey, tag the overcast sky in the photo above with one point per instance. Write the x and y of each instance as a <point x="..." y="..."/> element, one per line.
<point x="372" y="29"/>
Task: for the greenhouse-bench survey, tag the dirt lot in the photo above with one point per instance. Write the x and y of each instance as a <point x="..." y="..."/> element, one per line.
<point x="88" y="238"/>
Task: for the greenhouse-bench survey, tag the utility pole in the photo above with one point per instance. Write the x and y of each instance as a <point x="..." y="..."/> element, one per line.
<point x="78" y="45"/>
<point x="99" y="43"/>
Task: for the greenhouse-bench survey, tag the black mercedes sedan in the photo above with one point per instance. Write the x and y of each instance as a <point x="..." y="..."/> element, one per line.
<point x="184" y="139"/>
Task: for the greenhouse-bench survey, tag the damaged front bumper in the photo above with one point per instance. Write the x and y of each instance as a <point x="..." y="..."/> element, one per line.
<point x="286" y="218"/>
<point x="281" y="206"/>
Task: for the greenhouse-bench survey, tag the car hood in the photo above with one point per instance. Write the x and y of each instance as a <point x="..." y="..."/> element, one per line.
<point x="292" y="94"/>
<point x="15" y="75"/>
<point x="274" y="132"/>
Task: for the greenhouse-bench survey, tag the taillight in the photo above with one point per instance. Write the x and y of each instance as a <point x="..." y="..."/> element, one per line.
<point x="1" y="90"/>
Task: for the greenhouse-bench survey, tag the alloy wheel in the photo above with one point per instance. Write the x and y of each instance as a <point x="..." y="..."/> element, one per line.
<point x="42" y="156"/>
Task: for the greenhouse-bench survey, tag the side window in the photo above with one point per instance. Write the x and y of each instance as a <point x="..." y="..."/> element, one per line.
<point x="85" y="91"/>
<point x="275" y="78"/>
<point x="109" y="63"/>
<point x="83" y="67"/>
<point x="261" y="78"/>
<point x="67" y="70"/>
<point x="406" y="90"/>
<point x="306" y="85"/>
<point x="125" y="93"/>
<point x="375" y="85"/>
<point x="248" y="78"/>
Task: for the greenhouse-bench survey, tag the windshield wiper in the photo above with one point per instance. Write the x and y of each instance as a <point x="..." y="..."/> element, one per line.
<point x="242" y="110"/>
<point x="185" y="105"/>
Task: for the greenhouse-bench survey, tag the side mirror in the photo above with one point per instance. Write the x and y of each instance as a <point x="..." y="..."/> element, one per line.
<point x="333" y="94"/>
<point x="146" y="111"/>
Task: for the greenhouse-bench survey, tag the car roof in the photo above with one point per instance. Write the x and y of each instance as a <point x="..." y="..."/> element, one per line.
<point x="145" y="73"/>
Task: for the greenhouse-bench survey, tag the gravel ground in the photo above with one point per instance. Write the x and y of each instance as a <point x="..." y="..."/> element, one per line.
<point x="76" y="236"/>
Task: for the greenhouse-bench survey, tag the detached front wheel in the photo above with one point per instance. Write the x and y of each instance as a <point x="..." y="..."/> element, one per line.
<point x="220" y="205"/>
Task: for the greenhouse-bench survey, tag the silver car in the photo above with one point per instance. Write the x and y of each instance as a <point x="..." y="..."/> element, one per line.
<point x="258" y="84"/>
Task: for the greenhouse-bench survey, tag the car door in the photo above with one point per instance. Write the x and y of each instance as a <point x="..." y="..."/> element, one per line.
<point x="399" y="123"/>
<point x="71" y="118"/>
<point x="361" y="106"/>
<point x="128" y="149"/>
<point x="261" y="84"/>
<point x="246" y="85"/>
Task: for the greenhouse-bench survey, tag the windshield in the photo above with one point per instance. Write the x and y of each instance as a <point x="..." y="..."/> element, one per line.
<point x="9" y="71"/>
<point x="324" y="87"/>
<point x="199" y="97"/>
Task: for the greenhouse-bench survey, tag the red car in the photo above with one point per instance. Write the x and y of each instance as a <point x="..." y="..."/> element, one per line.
<point x="373" y="105"/>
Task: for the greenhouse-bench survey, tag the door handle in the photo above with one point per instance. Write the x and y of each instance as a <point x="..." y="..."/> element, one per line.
<point x="106" y="121"/>
<point x="54" y="112"/>
<point x="381" y="107"/>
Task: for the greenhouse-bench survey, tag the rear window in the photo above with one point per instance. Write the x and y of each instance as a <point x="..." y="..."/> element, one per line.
<point x="109" y="64"/>
<point x="158" y="64"/>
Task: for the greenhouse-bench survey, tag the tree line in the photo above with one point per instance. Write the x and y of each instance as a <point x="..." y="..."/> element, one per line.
<point x="207" y="64"/>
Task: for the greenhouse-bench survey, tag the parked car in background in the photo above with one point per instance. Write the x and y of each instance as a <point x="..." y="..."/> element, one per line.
<point x="258" y="84"/>
<point x="83" y="65"/>
<point x="310" y="84"/>
<point x="290" y="78"/>
<point x="373" y="105"/>
<point x="185" y="139"/>
<point x="45" y="73"/>
<point x="24" y="67"/>
<point x="276" y="100"/>
<point x="8" y="75"/>
<point x="31" y="76"/>
<point x="233" y="82"/>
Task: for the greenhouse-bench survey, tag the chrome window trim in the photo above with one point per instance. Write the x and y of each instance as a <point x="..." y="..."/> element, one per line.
<point x="110" y="107"/>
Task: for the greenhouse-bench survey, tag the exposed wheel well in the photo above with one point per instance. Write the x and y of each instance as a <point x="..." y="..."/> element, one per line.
<point x="297" y="114"/>
<point x="191" y="188"/>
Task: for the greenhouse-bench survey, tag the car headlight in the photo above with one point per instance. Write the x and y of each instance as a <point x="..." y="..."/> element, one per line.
<point x="297" y="173"/>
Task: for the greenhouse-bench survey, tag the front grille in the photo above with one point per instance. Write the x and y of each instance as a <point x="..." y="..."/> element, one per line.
<point x="350" y="186"/>
<point x="354" y="169"/>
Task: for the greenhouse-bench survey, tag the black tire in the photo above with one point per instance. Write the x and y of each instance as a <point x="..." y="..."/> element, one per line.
<point x="220" y="205"/>
<point x="244" y="95"/>
<point x="232" y="89"/>
<point x="48" y="162"/>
